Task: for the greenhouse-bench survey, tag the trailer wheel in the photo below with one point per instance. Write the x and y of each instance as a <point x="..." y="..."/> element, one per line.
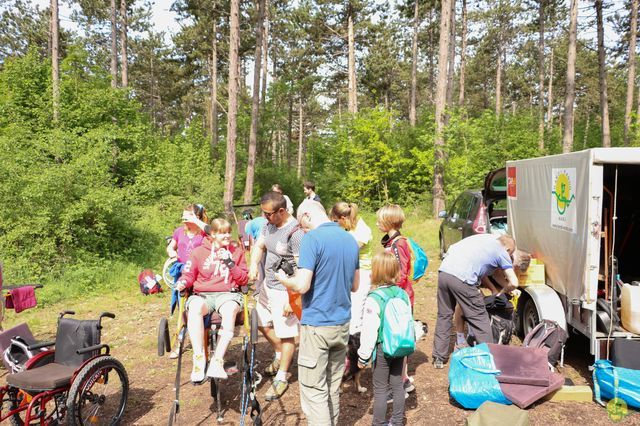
<point x="530" y="317"/>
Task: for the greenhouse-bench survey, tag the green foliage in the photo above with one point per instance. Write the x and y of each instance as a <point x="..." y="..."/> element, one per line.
<point x="91" y="196"/>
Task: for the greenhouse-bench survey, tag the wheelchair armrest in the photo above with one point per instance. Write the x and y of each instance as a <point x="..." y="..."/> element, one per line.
<point x="40" y="345"/>
<point x="93" y="348"/>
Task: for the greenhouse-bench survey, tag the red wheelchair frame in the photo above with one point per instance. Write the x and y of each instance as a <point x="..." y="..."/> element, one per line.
<point x="64" y="384"/>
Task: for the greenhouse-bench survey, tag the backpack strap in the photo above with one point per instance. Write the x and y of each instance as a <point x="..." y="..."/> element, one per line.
<point x="394" y="248"/>
<point x="290" y="234"/>
<point x="531" y="334"/>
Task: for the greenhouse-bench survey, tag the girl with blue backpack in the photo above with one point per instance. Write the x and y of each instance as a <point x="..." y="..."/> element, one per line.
<point x="387" y="337"/>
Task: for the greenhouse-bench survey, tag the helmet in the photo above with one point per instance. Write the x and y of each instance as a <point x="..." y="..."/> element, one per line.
<point x="17" y="354"/>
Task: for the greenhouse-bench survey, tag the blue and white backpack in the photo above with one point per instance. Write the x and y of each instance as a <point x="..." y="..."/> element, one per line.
<point x="397" y="331"/>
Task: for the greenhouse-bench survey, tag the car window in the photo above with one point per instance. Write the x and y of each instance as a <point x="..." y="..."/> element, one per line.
<point x="465" y="206"/>
<point x="462" y="206"/>
<point x="451" y="213"/>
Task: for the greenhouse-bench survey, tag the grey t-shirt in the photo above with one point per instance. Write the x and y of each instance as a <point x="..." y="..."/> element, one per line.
<point x="275" y="241"/>
<point x="474" y="257"/>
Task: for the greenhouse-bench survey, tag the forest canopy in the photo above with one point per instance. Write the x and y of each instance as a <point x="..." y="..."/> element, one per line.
<point x="109" y="127"/>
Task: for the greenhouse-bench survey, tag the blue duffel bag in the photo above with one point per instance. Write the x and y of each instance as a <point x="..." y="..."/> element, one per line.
<point x="472" y="377"/>
<point x="615" y="382"/>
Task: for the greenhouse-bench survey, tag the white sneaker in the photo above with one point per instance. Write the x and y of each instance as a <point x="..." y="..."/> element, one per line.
<point x="216" y="369"/>
<point x="199" y="365"/>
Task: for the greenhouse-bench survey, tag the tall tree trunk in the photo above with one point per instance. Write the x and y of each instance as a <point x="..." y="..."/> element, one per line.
<point x="441" y="93"/>
<point x="541" y="17"/>
<point x="602" y="75"/>
<point x="232" y="111"/>
<point x="463" y="52"/>
<point x="353" y="89"/>
<point x="290" y="128"/>
<point x="414" y="65"/>
<point x="213" y="122"/>
<point x="123" y="43"/>
<point x="631" y="74"/>
<point x="550" y="94"/>
<point x="452" y="56"/>
<point x="114" y="45"/>
<point x="585" y="137"/>
<point x="255" y="106"/>
<point x="300" y="140"/>
<point x="55" y="64"/>
<point x="431" y="55"/>
<point x="499" y="80"/>
<point x="265" y="52"/>
<point x="567" y="135"/>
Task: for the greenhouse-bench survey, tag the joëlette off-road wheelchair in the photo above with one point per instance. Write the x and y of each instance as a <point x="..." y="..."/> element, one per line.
<point x="250" y="378"/>
<point x="77" y="383"/>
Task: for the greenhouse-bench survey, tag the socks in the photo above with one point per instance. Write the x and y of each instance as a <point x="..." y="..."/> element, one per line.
<point x="460" y="338"/>
<point x="278" y="355"/>
<point x="281" y="376"/>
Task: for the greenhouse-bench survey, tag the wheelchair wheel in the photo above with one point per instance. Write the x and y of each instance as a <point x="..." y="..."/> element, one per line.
<point x="166" y="276"/>
<point x="98" y="394"/>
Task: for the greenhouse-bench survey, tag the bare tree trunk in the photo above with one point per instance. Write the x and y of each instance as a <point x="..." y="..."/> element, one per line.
<point x="353" y="89"/>
<point x="541" y="17"/>
<point x="114" y="45"/>
<point x="585" y="137"/>
<point x="567" y="136"/>
<point x="300" y="140"/>
<point x="232" y="111"/>
<point x="431" y="54"/>
<point x="213" y="122"/>
<point x="255" y="106"/>
<point x="290" y="129"/>
<point x="550" y="94"/>
<point x="274" y="147"/>
<point x="452" y="56"/>
<point x="441" y="93"/>
<point x="414" y="65"/>
<point x="499" y="80"/>
<point x="602" y="75"/>
<point x="463" y="52"/>
<point x="631" y="74"/>
<point x="123" y="43"/>
<point x="55" y="64"/>
<point x="265" y="52"/>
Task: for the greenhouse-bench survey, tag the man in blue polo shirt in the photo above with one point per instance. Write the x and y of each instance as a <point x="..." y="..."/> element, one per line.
<point x="327" y="274"/>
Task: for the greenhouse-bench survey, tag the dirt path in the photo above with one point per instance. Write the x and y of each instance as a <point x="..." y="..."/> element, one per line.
<point x="133" y="338"/>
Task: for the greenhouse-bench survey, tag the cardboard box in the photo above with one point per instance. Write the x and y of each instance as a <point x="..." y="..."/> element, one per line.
<point x="533" y="275"/>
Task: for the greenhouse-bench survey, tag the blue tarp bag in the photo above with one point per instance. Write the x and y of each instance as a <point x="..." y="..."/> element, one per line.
<point x="472" y="377"/>
<point x="615" y="382"/>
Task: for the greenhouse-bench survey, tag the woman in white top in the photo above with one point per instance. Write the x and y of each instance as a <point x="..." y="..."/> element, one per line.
<point x="277" y="188"/>
<point x="346" y="215"/>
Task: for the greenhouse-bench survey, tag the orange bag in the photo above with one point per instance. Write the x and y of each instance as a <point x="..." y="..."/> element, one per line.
<point x="295" y="300"/>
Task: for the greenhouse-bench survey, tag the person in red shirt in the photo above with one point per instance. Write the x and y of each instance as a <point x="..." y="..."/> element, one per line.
<point x="390" y="219"/>
<point x="214" y="273"/>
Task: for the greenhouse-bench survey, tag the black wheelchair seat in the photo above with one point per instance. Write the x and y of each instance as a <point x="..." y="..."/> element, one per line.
<point x="48" y="377"/>
<point x="72" y="335"/>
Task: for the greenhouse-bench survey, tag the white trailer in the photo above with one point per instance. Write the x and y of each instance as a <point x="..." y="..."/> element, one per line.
<point x="579" y="213"/>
